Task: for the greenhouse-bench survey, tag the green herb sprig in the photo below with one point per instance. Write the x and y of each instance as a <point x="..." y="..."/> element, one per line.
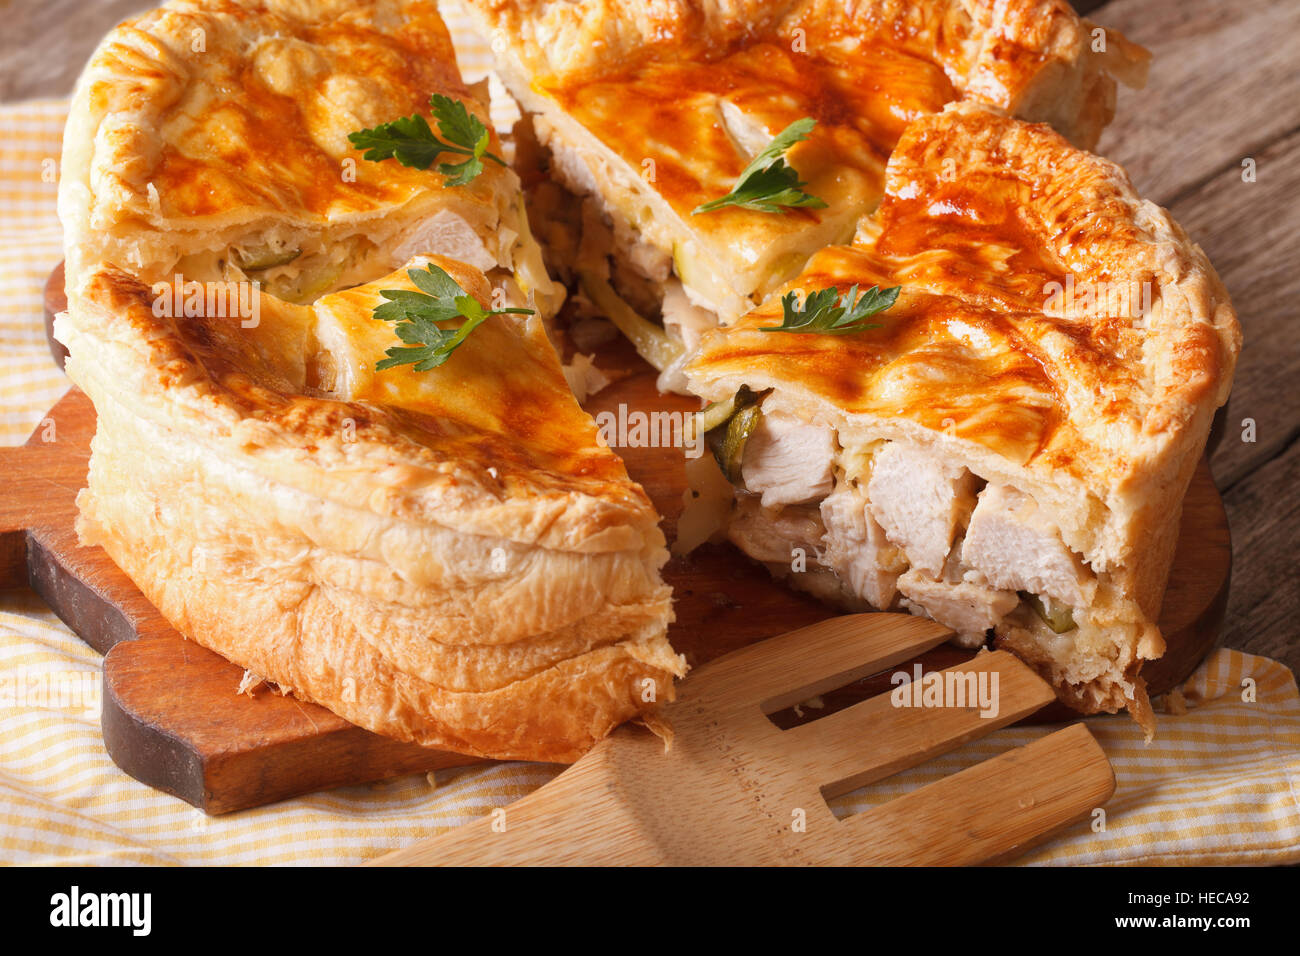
<point x="826" y="312"/>
<point x="411" y="142"/>
<point x="768" y="184"/>
<point x="417" y="315"/>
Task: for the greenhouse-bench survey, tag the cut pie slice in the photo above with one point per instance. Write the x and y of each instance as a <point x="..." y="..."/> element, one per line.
<point x="1006" y="447"/>
<point x="210" y="140"/>
<point x="450" y="557"/>
<point x="652" y="111"/>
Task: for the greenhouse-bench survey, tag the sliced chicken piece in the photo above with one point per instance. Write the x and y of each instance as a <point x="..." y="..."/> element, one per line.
<point x="648" y="260"/>
<point x="683" y="318"/>
<point x="788" y="461"/>
<point x="964" y="603"/>
<point x="575" y="168"/>
<point x="771" y="536"/>
<point x="919" y="500"/>
<point x="748" y="135"/>
<point x="857" y="549"/>
<point x="1016" y="547"/>
<point x="445" y="234"/>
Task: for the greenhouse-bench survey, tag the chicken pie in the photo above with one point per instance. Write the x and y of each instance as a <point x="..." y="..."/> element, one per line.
<point x="1005" y="447"/>
<point x="450" y="557"/>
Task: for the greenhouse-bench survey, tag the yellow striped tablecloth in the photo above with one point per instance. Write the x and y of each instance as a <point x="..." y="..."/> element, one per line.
<point x="1220" y="784"/>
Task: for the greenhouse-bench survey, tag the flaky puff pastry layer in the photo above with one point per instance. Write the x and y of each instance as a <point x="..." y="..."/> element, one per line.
<point x="449" y="557"/>
<point x="1054" y="332"/>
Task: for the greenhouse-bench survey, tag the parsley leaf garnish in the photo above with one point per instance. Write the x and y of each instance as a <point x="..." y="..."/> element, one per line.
<point x="411" y="142"/>
<point x="767" y="184"/>
<point x="826" y="312"/>
<point x="417" y="315"/>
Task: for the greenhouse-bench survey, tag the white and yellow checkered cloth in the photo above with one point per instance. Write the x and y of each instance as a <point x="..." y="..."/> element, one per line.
<point x="1220" y="784"/>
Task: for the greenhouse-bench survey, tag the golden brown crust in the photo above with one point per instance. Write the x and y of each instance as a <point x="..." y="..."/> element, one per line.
<point x="1100" y="412"/>
<point x="1025" y="56"/>
<point x="449" y="557"/>
<point x="203" y="126"/>
<point x="657" y="108"/>
<point x="463" y="445"/>
<point x="314" y="73"/>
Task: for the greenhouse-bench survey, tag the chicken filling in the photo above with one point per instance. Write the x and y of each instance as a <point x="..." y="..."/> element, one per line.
<point x="598" y="230"/>
<point x="896" y="526"/>
<point x="300" y="266"/>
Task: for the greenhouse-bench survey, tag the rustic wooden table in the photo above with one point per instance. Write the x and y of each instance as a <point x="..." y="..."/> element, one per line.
<point x="1224" y="95"/>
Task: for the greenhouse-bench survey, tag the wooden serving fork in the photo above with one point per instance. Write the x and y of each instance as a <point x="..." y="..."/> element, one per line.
<point x="734" y="789"/>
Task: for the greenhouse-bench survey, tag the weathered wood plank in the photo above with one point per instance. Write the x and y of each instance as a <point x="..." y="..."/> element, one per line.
<point x="45" y="43"/>
<point x="1249" y="231"/>
<point x="1087" y="7"/>
<point x="1223" y="86"/>
<point x="1264" y="603"/>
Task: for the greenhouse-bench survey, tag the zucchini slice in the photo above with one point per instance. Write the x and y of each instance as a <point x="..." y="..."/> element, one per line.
<point x="727" y="426"/>
<point x="261" y="259"/>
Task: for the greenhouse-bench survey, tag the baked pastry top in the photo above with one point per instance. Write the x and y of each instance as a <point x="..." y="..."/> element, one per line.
<point x="659" y="107"/>
<point x="211" y="139"/>
<point x="1020" y="56"/>
<point x="450" y="557"/>
<point x="1054" y="334"/>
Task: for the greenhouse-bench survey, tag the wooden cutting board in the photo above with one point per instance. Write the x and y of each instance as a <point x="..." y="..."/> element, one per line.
<point x="172" y="716"/>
